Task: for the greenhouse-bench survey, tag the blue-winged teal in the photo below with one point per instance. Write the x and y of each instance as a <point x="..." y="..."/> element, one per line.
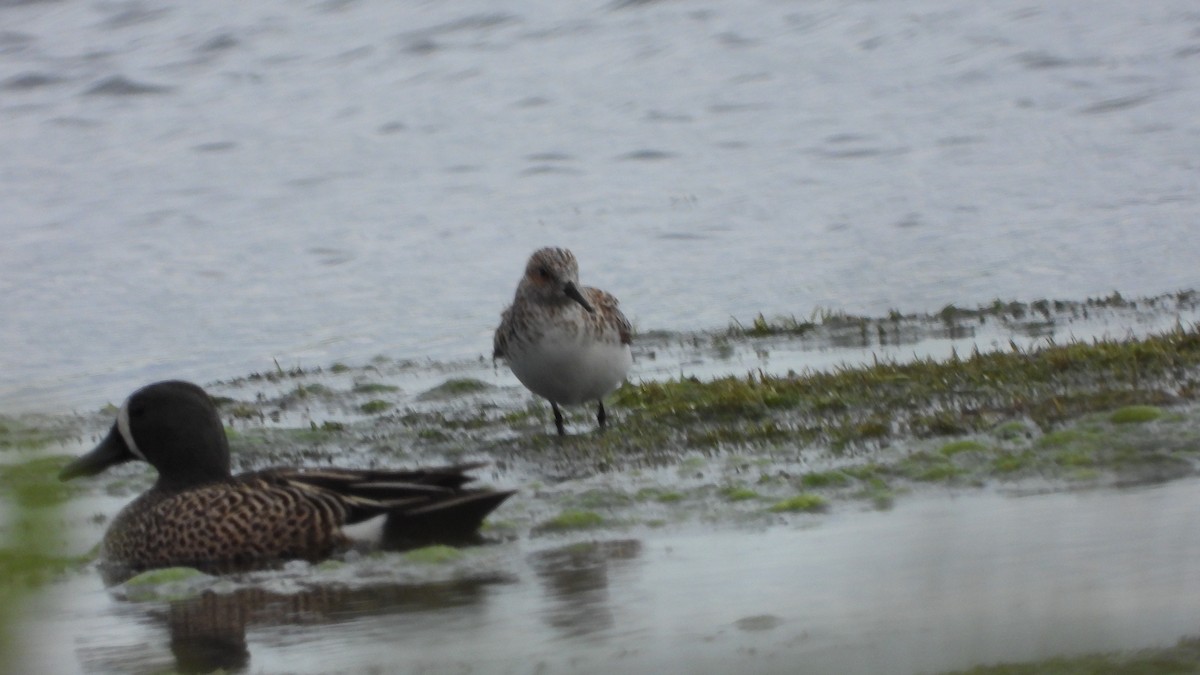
<point x="200" y="515"/>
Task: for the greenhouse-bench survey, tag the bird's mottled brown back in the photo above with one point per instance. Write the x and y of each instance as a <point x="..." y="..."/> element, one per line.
<point x="608" y="316"/>
<point x="251" y="519"/>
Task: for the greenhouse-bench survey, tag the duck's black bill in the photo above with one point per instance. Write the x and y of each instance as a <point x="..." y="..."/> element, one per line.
<point x="572" y="292"/>
<point x="111" y="451"/>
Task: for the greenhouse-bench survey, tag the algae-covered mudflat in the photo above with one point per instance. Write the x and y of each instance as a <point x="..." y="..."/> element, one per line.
<point x="1006" y="485"/>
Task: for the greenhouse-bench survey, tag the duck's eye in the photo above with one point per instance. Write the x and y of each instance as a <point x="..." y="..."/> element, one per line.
<point x="543" y="273"/>
<point x="136" y="410"/>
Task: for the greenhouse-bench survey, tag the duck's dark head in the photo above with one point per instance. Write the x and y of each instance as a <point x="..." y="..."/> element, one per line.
<point x="172" y="425"/>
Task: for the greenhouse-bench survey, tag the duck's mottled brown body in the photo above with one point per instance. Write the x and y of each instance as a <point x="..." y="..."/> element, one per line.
<point x="199" y="515"/>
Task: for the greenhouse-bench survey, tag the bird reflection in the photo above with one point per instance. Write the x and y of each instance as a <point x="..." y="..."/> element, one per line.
<point x="208" y="632"/>
<point x="576" y="580"/>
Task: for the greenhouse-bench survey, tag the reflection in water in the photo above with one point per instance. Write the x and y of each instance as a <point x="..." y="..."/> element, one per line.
<point x="208" y="632"/>
<point x="576" y="580"/>
<point x="937" y="583"/>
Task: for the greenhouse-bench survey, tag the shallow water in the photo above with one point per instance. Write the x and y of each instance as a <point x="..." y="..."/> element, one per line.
<point x="941" y="581"/>
<point x="197" y="192"/>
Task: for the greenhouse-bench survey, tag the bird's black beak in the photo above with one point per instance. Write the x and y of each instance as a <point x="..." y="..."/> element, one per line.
<point x="573" y="293"/>
<point x="111" y="451"/>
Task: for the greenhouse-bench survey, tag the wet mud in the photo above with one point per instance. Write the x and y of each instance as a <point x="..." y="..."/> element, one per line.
<point x="730" y="475"/>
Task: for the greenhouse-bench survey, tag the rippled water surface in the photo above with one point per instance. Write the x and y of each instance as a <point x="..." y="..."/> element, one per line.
<point x="194" y="190"/>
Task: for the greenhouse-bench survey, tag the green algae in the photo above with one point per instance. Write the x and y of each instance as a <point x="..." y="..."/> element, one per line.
<point x="374" y="388"/>
<point x="823" y="479"/>
<point x="1013" y="462"/>
<point x="966" y="445"/>
<point x="571" y="520"/>
<point x="34" y="483"/>
<point x="375" y="406"/>
<point x="805" y="501"/>
<point x="168" y="584"/>
<point x="603" y="498"/>
<point x="850" y="407"/>
<point x="1011" y="431"/>
<point x="29" y="558"/>
<point x="1136" y="414"/>
<point x="738" y="494"/>
<point x="433" y="555"/>
<point x="878" y="492"/>
<point x="1063" y="438"/>
<point x="454" y="388"/>
<point x="32" y="567"/>
<point x="929" y="467"/>
<point x="240" y="410"/>
<point x="167" y="575"/>
<point x="661" y="495"/>
<point x="309" y="390"/>
<point x="33" y="433"/>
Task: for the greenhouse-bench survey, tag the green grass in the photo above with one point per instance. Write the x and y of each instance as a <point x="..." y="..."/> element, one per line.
<point x="762" y="327"/>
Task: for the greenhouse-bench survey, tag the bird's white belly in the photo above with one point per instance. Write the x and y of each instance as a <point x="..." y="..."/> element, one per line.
<point x="570" y="369"/>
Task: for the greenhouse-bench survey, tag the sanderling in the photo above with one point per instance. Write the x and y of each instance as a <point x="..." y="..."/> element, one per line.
<point x="565" y="342"/>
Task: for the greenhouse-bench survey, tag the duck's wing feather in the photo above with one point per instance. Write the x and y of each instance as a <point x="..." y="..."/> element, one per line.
<point x="429" y="503"/>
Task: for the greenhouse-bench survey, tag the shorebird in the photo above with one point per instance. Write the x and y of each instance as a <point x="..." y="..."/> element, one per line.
<point x="200" y="515"/>
<point x="566" y="343"/>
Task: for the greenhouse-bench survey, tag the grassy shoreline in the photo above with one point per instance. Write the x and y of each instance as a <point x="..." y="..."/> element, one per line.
<point x="745" y="450"/>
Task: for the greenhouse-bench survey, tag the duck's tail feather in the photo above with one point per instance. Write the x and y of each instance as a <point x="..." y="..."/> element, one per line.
<point x="452" y="520"/>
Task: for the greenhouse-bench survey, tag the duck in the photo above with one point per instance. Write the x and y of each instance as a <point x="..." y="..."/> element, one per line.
<point x="198" y="514"/>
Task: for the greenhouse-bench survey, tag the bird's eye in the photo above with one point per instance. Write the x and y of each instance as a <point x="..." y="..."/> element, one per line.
<point x="136" y="410"/>
<point x="543" y="273"/>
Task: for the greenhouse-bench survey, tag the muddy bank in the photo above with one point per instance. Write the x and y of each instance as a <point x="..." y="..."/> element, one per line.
<point x="727" y="425"/>
<point x="722" y="444"/>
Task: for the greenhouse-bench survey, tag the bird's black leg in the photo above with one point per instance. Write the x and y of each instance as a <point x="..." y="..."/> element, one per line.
<point x="600" y="416"/>
<point x="558" y="419"/>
